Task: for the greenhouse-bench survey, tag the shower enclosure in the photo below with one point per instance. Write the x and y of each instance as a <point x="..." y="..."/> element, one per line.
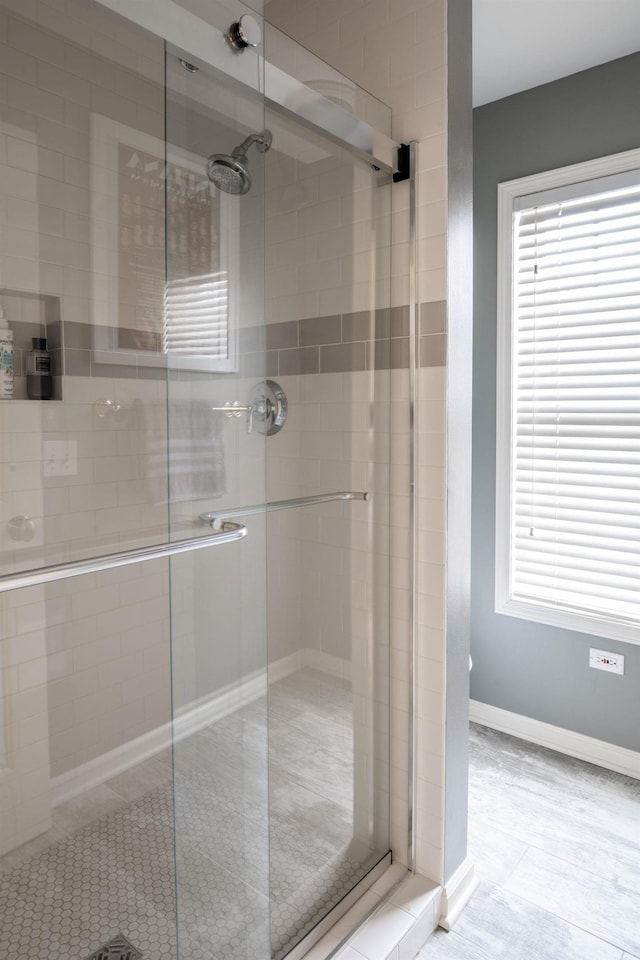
<point x="194" y="580"/>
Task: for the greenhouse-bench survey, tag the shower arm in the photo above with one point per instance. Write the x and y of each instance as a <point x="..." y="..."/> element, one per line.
<point x="261" y="140"/>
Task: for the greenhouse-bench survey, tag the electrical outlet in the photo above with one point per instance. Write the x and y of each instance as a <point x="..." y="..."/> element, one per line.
<point x="601" y="660"/>
<point x="60" y="458"/>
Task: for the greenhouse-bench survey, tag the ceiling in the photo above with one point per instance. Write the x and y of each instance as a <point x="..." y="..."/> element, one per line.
<point x="518" y="44"/>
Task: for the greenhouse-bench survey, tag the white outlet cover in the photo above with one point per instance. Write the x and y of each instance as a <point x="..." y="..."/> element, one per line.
<point x="604" y="660"/>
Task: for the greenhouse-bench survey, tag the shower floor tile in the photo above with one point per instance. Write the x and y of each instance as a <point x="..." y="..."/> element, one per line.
<point x="108" y="877"/>
<point x="136" y="859"/>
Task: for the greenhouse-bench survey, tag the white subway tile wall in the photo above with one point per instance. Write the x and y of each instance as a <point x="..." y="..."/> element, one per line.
<point x="93" y="653"/>
<point x="24" y="719"/>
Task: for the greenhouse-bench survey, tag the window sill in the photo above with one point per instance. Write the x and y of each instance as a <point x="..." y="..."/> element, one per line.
<point x="568" y="620"/>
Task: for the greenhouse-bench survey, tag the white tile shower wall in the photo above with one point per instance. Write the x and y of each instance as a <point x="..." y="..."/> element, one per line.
<point x="328" y="564"/>
<point x="328" y="228"/>
<point x="396" y="49"/>
<point x="104" y="503"/>
<point x="108" y="661"/>
<point x="91" y="27"/>
<point x="25" y="795"/>
<point x="107" y="637"/>
<point x="54" y="88"/>
<point x="218" y="596"/>
<point x="327" y="446"/>
<point x="298" y="62"/>
<point x="104" y="639"/>
<point x="325" y="221"/>
<point x="56" y="85"/>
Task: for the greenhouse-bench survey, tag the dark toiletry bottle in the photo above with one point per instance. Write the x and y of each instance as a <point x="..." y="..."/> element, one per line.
<point x="38" y="364"/>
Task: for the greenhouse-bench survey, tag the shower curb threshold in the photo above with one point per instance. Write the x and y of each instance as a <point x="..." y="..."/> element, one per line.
<point x="391" y="921"/>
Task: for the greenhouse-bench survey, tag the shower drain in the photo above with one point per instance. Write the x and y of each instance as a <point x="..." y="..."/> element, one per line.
<point x="118" y="948"/>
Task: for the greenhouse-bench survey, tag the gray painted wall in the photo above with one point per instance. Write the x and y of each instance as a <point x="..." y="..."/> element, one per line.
<point x="528" y="668"/>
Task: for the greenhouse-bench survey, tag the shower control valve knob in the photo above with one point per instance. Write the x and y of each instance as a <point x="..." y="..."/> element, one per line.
<point x="269" y="408"/>
<point x="245" y="33"/>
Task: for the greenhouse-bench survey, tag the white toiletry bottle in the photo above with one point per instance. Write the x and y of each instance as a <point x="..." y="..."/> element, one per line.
<point x="6" y="359"/>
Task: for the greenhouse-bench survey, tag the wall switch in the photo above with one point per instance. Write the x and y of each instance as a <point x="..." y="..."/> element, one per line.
<point x="601" y="660"/>
<point x="60" y="458"/>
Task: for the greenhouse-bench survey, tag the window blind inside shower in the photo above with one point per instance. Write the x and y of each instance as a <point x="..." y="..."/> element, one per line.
<point x="196" y="321"/>
<point x="575" y="400"/>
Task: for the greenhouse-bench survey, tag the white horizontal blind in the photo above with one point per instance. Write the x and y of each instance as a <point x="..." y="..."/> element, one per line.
<point x="196" y="316"/>
<point x="575" y="451"/>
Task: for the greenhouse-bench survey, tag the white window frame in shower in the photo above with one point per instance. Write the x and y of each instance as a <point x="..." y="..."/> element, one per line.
<point x="106" y="136"/>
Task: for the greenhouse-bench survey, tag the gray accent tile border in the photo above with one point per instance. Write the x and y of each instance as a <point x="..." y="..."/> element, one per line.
<point x="282" y="335"/>
<point x="319" y="330"/>
<point x="433" y="317"/>
<point x="433" y="350"/>
<point x="341" y="343"/>
<point x="299" y="360"/>
<point x="364" y="340"/>
<point x="343" y="357"/>
<point x="389" y="354"/>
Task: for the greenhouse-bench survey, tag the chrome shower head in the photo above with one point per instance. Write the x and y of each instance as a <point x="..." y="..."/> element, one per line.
<point x="230" y="171"/>
<point x="228" y="174"/>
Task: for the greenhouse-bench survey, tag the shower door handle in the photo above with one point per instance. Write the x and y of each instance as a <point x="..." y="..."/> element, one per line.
<point x="217" y="519"/>
<point x="229" y="532"/>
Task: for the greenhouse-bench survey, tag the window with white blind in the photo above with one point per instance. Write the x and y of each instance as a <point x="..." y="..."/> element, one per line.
<point x="200" y="323"/>
<point x="568" y="455"/>
<point x="196" y="316"/>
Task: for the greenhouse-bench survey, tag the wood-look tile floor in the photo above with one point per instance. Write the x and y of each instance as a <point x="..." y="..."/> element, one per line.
<point x="556" y="844"/>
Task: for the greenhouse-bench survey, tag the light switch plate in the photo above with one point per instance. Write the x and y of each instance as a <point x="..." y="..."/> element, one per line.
<point x="60" y="458"/>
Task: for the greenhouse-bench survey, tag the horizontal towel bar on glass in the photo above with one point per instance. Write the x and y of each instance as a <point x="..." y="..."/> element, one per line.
<point x="217" y="517"/>
<point x="228" y="533"/>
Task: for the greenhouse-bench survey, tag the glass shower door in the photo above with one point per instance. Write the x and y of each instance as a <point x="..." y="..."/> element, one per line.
<point x="133" y="778"/>
<point x="332" y="340"/>
<point x="214" y="341"/>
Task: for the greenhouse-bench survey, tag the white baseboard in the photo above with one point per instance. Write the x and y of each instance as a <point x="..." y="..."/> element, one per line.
<point x="285" y="666"/>
<point x="91" y="774"/>
<point x="456" y="894"/>
<point x="309" y="657"/>
<point x="326" y="663"/>
<point x="199" y="715"/>
<point x="573" y="744"/>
